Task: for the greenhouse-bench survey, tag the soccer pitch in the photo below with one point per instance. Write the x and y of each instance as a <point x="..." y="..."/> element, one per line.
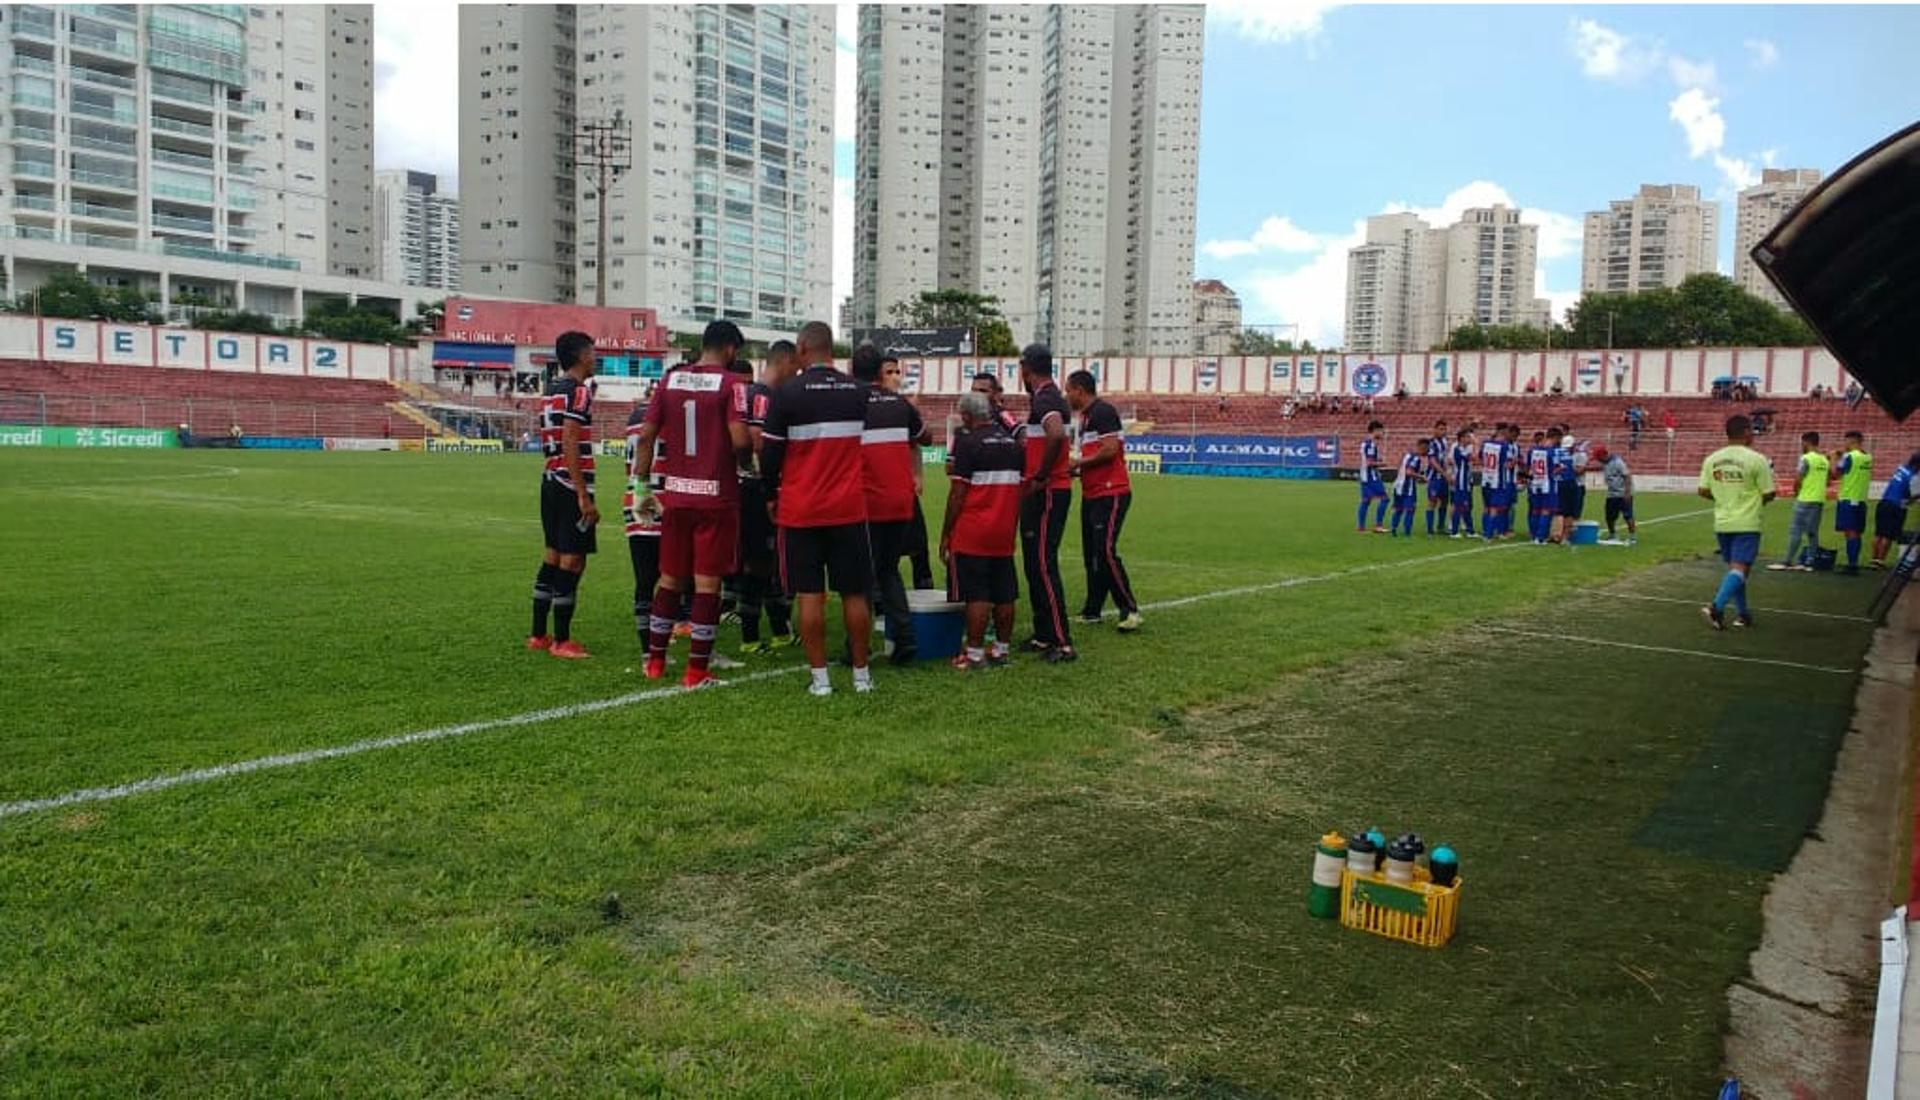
<point x="1075" y="880"/>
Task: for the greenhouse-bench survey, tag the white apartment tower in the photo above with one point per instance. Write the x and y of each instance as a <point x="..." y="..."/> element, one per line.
<point x="516" y="151"/>
<point x="1046" y="155"/>
<point x="419" y="230"/>
<point x="727" y="211"/>
<point x="1409" y="285"/>
<point x="213" y="132"/>
<point x="1759" y="209"/>
<point x="1656" y="238"/>
<point x="1216" y="318"/>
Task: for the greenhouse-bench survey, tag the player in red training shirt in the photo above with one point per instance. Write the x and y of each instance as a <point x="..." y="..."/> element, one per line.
<point x="976" y="540"/>
<point x="1106" y="493"/>
<point x="890" y="449"/>
<point x="1048" y="494"/>
<point x="698" y="413"/>
<point x="567" y="511"/>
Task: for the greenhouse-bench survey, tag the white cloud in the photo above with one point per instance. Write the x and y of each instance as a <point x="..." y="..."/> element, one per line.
<point x="1270" y="20"/>
<point x="1274" y="235"/>
<point x="1691" y="74"/>
<point x="1313" y="294"/>
<point x="416" y="90"/>
<point x="1607" y="54"/>
<point x="1699" y="117"/>
<point x="1763" y="52"/>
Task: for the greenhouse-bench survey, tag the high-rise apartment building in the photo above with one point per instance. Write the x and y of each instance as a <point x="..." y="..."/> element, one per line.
<point x="1759" y="209"/>
<point x="176" y="147"/>
<point x="1046" y="155"/>
<point x="1409" y="285"/>
<point x="1216" y="318"/>
<point x="517" y="122"/>
<point x="726" y="210"/>
<point x="1656" y="238"/>
<point x="419" y="230"/>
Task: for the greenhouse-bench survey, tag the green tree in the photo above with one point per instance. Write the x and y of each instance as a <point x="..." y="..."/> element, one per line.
<point x="1477" y="337"/>
<point x="228" y="320"/>
<point x="364" y="323"/>
<point x="1253" y="341"/>
<point x="960" y="309"/>
<point x="70" y="294"/>
<point x="1705" y="310"/>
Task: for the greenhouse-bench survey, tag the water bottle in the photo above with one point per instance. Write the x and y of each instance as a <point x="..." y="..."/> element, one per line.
<point x="1379" y="847"/>
<point x="1329" y="856"/>
<point x="1360" y="854"/>
<point x="1444" y="865"/>
<point x="1400" y="857"/>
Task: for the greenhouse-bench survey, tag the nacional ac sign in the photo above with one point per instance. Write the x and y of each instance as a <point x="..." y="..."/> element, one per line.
<point x="537" y="324"/>
<point x="917" y="341"/>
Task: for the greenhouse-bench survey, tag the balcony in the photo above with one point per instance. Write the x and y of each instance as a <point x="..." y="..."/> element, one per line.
<point x="33" y="232"/>
<point x="241" y="202"/>
<point x="181" y="126"/>
<point x="253" y="259"/>
<point x="37" y="169"/>
<point x="84" y="209"/>
<point x="186" y="225"/>
<point x="242" y="233"/>
<point x="101" y="179"/>
<point x="126" y="116"/>
<point x="104" y="145"/>
<point x="184" y="194"/>
<point x="104" y="45"/>
<point x="185" y="160"/>
<point x="25" y="201"/>
<point x="186" y="91"/>
<point x="33" y="99"/>
<point x="33" y="133"/>
<point x="104" y="79"/>
<point x="27" y="63"/>
<point x="104" y="240"/>
<point x="34" y="22"/>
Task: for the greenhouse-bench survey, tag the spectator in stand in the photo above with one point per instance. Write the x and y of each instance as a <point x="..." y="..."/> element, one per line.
<point x="1400" y="393"/>
<point x="1459" y="386"/>
<point x="1668" y="422"/>
<point x="1818" y="391"/>
<point x="1532" y="387"/>
<point x="1558" y="389"/>
<point x="1636" y="418"/>
<point x="1286" y="409"/>
<point x="1855" y="394"/>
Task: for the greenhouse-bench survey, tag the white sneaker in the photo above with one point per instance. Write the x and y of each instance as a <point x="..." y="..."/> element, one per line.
<point x="819" y="690"/>
<point x="1778" y="567"/>
<point x="723" y="662"/>
<point x="863" y="687"/>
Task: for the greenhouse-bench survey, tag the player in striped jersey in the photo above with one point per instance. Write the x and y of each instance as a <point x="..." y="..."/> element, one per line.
<point x="1406" y="487"/>
<point x="1541" y="498"/>
<point x="1437" y="477"/>
<point x="567" y="512"/>
<point x="1496" y="481"/>
<point x="1463" y="454"/>
<point x="1372" y="488"/>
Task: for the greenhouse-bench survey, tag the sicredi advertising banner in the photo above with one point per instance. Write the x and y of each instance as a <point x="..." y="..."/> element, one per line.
<point x="35" y="435"/>
<point x="1240" y="450"/>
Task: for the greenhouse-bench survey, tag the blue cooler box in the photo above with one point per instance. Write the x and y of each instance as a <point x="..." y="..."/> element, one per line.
<point x="1585" y="533"/>
<point x="939" y="624"/>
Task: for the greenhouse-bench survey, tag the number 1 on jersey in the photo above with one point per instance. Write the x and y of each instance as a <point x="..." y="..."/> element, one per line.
<point x="690" y="446"/>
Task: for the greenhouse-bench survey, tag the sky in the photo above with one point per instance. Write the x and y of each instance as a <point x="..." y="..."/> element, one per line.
<point x="1314" y="117"/>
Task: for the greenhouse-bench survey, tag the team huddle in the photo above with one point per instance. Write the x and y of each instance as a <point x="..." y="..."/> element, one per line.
<point x="808" y="480"/>
<point x="1551" y="471"/>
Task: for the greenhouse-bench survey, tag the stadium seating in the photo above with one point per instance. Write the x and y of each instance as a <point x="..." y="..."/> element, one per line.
<point x="209" y="402"/>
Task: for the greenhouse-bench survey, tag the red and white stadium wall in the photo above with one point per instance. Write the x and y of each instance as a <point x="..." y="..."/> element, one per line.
<point x="1640" y="372"/>
<point x="61" y="340"/>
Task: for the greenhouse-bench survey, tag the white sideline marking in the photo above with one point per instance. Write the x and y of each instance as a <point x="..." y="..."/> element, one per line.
<point x="1768" y="610"/>
<point x="572" y="710"/>
<point x="1669" y="649"/>
<point x="59" y="486"/>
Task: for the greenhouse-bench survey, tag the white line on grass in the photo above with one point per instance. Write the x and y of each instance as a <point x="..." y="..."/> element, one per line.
<point x="1768" y="610"/>
<point x="1669" y="649"/>
<point x="574" y="710"/>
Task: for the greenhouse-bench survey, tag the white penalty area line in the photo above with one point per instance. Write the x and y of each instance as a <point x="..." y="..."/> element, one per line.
<point x="1577" y="639"/>
<point x="1767" y="610"/>
<point x="89" y="795"/>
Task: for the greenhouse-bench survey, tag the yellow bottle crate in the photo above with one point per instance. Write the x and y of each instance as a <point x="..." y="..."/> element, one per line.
<point x="1418" y="912"/>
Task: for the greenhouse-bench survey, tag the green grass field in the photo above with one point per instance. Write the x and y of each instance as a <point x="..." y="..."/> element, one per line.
<point x="1077" y="880"/>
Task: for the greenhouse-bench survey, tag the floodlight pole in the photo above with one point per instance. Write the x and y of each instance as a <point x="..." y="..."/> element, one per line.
<point x="606" y="149"/>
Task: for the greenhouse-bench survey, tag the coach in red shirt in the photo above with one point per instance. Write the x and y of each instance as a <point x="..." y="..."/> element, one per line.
<point x="1106" y="492"/>
<point x="976" y="540"/>
<point x="815" y="475"/>
<point x="699" y="415"/>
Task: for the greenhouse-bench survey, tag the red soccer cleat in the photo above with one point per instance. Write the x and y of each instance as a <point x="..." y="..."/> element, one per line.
<point x="570" y="650"/>
<point x="656" y="667"/>
<point x="539" y="641"/>
<point x="698" y="678"/>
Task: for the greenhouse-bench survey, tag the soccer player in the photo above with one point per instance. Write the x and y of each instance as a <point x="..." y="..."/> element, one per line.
<point x="1048" y="494"/>
<point x="890" y="450"/>
<point x="1437" y="477"/>
<point x="699" y="415"/>
<point x="1540" y="495"/>
<point x="1890" y="516"/>
<point x="1619" y="479"/>
<point x="1106" y="493"/>
<point x="1855" y="467"/>
<point x="640" y="510"/>
<point x="1569" y="466"/>
<point x="1372" y="488"/>
<point x="1463" y="454"/>
<point x="815" y="476"/>
<point x="567" y="512"/>
<point x="759" y="586"/>
<point x="1809" y="500"/>
<point x="976" y="537"/>
<point x="1739" y="481"/>
<point x="1406" y="487"/>
<point x="987" y="383"/>
<point x="1495" y="471"/>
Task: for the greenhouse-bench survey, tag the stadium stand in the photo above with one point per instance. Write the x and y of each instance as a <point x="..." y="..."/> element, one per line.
<point x="208" y="402"/>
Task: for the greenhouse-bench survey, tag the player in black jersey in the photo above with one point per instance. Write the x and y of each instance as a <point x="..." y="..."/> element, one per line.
<point x="759" y="582"/>
<point x="567" y="511"/>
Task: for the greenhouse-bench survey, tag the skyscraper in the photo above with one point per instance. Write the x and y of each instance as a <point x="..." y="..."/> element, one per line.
<point x="1046" y="155"/>
<point x="1409" y="285"/>
<point x="727" y="208"/>
<point x="1656" y="238"/>
<point x="419" y="230"/>
<point x="1759" y="209"/>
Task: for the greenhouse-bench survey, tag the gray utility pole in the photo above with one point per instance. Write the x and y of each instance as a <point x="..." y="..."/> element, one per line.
<point x="604" y="149"/>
